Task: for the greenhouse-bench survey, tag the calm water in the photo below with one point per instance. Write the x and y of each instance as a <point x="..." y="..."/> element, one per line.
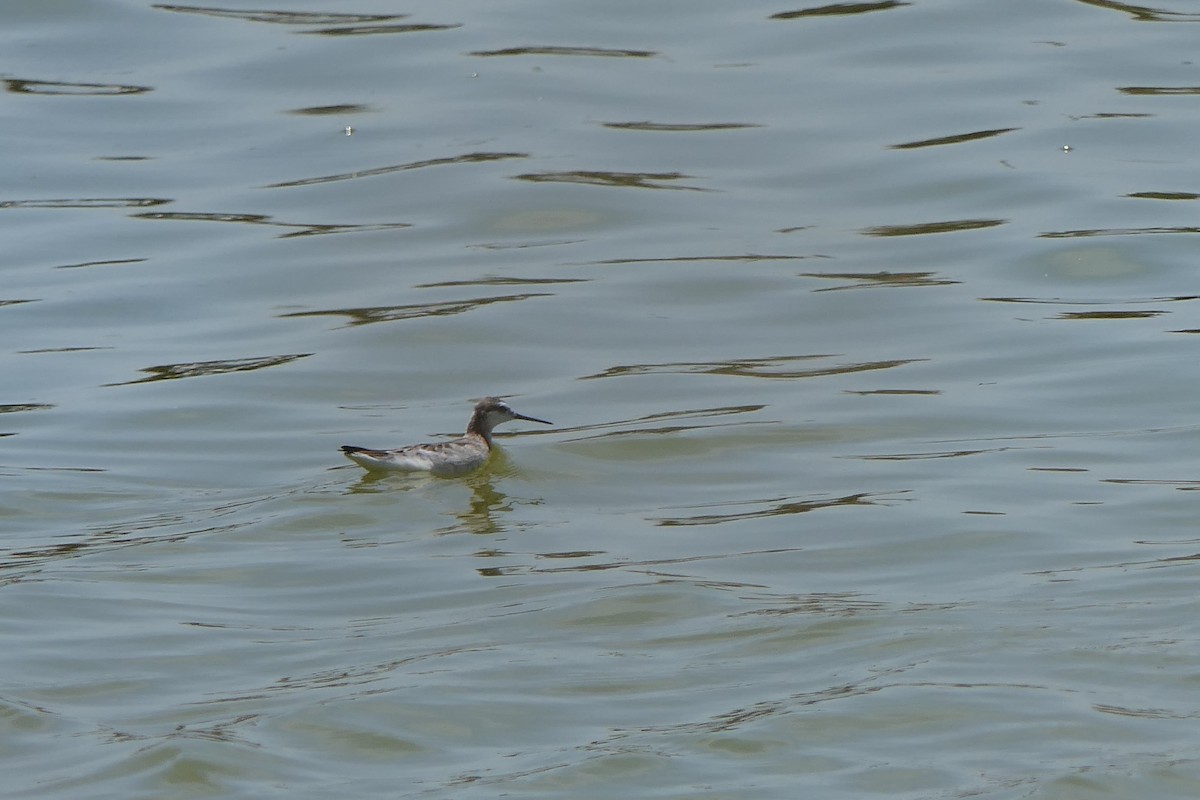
<point x="869" y="332"/>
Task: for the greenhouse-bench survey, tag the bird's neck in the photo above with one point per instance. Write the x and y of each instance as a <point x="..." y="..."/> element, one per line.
<point x="479" y="427"/>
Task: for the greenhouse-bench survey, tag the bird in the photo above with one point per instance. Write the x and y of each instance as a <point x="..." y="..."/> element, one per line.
<point x="456" y="457"/>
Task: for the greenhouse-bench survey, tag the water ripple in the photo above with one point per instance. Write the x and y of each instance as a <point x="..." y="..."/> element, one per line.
<point x="302" y="229"/>
<point x="27" y="86"/>
<point x="371" y="314"/>
<point x="745" y="257"/>
<point x="676" y="127"/>
<point x="628" y="180"/>
<point x="876" y="280"/>
<point x="770" y="367"/>
<point x="840" y="9"/>
<point x="88" y="202"/>
<point x="1090" y="232"/>
<point x="953" y="139"/>
<point x="466" y="158"/>
<point x="368" y="30"/>
<point x="779" y="506"/>
<point x="280" y="17"/>
<point x="924" y="228"/>
<point x="13" y="408"/>
<point x="1144" y="13"/>
<point x="552" y="50"/>
<point x="193" y="369"/>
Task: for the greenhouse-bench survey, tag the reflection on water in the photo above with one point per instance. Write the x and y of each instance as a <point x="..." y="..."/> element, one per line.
<point x="334" y="110"/>
<point x="639" y="565"/>
<point x="466" y="158"/>
<point x="1145" y="13"/>
<point x="778" y="506"/>
<point x="924" y="228"/>
<point x="747" y="257"/>
<point x="1181" y="485"/>
<point x="1142" y="713"/>
<point x="870" y="280"/>
<point x="1062" y="301"/>
<point x="193" y="369"/>
<point x="366" y="316"/>
<point x="840" y="9"/>
<point x="628" y="180"/>
<point x="838" y="604"/>
<point x="283" y="17"/>
<point x="954" y="139"/>
<point x="676" y="127"/>
<point x="1110" y="314"/>
<point x="1073" y="573"/>
<point x="497" y="280"/>
<point x="107" y="263"/>
<point x="361" y="674"/>
<point x="752" y="367"/>
<point x="1164" y="195"/>
<point x="523" y="245"/>
<point x="27" y="86"/>
<point x="1159" y="90"/>
<point x="566" y="51"/>
<point x="368" y="30"/>
<point x="10" y="408"/>
<point x="313" y="229"/>
<point x="88" y="202"/>
<point x="280" y="17"/>
<point x="221" y="731"/>
<point x="1090" y="232"/>
<point x="938" y="454"/>
<point x="484" y="510"/>
<point x="640" y="427"/>
<point x="863" y="392"/>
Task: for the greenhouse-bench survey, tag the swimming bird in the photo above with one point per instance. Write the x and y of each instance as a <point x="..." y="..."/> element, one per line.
<point x="444" y="458"/>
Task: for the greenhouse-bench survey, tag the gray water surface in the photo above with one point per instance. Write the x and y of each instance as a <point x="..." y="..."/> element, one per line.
<point x="869" y="333"/>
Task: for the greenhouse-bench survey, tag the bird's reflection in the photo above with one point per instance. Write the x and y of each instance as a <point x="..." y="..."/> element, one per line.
<point x="482" y="509"/>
